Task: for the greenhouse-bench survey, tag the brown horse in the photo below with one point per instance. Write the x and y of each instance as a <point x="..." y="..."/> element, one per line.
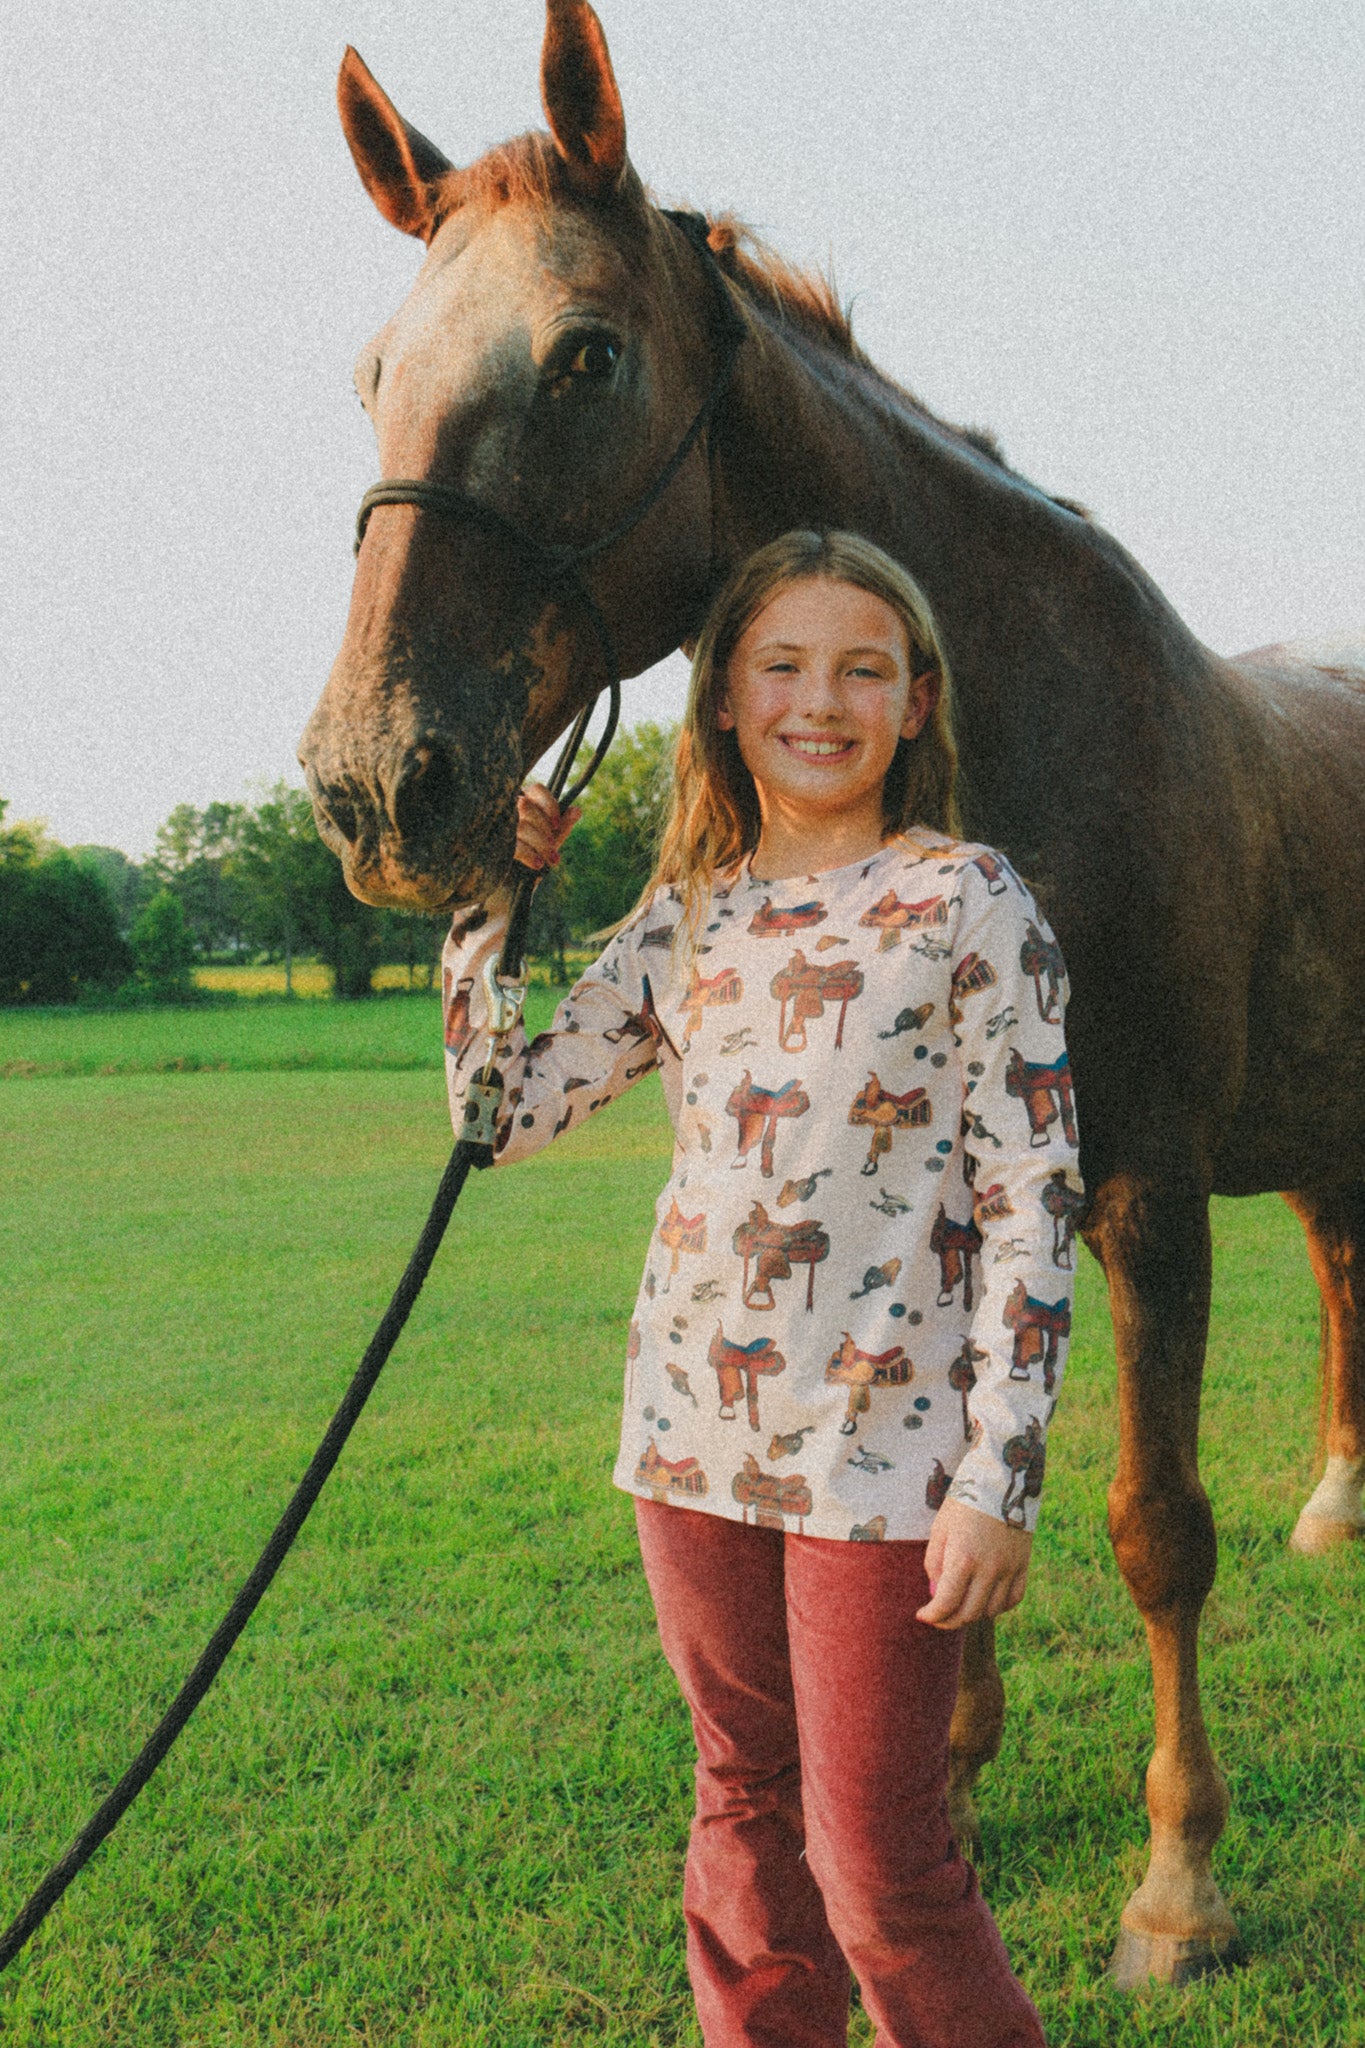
<point x="1194" y="826"/>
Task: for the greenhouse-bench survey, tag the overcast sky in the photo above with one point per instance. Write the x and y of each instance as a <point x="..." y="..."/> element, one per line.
<point x="1128" y="235"/>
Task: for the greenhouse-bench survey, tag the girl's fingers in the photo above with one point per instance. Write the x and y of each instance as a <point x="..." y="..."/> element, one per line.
<point x="541" y="827"/>
<point x="949" y="1607"/>
<point x="966" y="1594"/>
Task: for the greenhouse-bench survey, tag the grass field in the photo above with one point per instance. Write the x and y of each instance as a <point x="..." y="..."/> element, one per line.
<point x="396" y="1033"/>
<point x="439" y="1797"/>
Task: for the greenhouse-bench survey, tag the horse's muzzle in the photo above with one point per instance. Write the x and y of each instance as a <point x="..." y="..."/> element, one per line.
<point x="414" y="834"/>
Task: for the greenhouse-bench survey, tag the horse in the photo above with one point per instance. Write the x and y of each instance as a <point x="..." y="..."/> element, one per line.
<point x="1193" y="826"/>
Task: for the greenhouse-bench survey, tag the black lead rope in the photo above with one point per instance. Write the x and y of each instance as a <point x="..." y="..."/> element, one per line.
<point x="465" y="1156"/>
<point x="555" y="564"/>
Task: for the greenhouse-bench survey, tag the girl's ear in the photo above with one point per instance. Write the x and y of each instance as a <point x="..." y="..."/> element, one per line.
<point x="921" y="704"/>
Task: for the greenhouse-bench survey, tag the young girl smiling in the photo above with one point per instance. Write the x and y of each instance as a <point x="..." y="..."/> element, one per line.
<point x="853" y="1318"/>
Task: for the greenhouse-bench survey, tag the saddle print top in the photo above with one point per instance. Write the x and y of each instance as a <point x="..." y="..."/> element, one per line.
<point x="857" y="1296"/>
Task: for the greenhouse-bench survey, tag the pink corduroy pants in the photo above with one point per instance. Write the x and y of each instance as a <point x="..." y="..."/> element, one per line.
<point x="820" y="1841"/>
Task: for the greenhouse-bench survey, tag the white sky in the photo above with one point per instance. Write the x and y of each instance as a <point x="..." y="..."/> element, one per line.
<point x="1129" y="235"/>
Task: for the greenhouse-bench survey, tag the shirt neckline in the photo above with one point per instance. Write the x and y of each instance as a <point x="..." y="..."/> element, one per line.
<point x="820" y="875"/>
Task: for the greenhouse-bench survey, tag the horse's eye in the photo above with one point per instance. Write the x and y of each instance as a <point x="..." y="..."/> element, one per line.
<point x="597" y="357"/>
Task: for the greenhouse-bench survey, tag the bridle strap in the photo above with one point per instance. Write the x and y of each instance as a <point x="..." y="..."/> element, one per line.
<point x="560" y="559"/>
<point x="561" y="563"/>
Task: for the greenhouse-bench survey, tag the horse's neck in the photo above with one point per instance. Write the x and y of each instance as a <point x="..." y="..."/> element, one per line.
<point x="1021" y="586"/>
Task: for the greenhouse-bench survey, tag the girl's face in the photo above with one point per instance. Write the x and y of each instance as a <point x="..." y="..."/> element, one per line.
<point x="819" y="690"/>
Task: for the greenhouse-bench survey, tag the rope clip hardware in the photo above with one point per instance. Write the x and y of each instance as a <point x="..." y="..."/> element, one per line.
<point x="506" y="998"/>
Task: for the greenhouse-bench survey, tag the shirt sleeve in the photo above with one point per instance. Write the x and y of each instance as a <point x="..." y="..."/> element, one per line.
<point x="605" y="1035"/>
<point x="1019" y="1132"/>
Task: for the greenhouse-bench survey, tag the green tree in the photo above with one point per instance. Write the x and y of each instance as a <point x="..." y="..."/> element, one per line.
<point x="196" y="858"/>
<point x="163" y="948"/>
<point x="129" y="885"/>
<point x="59" y="934"/>
<point x="278" y="873"/>
<point x="349" y="933"/>
<point x="610" y="855"/>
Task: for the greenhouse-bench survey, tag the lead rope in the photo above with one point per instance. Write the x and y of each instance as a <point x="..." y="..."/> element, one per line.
<point x="507" y="988"/>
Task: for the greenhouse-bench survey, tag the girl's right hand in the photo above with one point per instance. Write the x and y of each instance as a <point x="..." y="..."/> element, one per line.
<point x="542" y="827"/>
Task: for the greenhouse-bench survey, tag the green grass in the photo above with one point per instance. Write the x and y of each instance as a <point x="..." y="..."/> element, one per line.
<point x="394" y="1033"/>
<point x="439" y="1797"/>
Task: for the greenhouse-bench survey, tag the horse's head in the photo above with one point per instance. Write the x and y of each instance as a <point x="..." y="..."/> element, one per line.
<point x="547" y="361"/>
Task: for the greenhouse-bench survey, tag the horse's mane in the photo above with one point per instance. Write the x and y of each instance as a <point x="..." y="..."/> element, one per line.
<point x="807" y="298"/>
<point x="528" y="171"/>
<point x="811" y="302"/>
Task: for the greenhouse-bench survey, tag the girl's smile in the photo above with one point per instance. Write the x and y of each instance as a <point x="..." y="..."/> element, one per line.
<point x="819" y="691"/>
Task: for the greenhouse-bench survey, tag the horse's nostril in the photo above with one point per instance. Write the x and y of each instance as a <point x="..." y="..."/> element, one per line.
<point x="342" y="816"/>
<point x="424" y="791"/>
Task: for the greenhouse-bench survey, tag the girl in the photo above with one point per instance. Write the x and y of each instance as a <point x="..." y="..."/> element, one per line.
<point x="855" y="1304"/>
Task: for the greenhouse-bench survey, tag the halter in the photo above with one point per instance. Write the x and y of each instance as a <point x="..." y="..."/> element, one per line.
<point x="555" y="563"/>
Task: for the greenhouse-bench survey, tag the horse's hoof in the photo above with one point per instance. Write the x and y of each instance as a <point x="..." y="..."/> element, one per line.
<point x="1314" y="1534"/>
<point x="1140" y="1960"/>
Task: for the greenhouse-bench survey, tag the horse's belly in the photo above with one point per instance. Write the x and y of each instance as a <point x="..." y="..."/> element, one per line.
<point x="1299" y="1133"/>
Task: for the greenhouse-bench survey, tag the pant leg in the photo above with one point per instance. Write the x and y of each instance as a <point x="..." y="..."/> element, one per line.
<point x="874" y="1692"/>
<point x="766" y="1972"/>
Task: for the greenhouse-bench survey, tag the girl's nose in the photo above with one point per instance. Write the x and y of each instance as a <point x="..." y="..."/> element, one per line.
<point x="820" y="689"/>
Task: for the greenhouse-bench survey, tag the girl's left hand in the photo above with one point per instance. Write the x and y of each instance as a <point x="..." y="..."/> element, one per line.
<point x="977" y="1567"/>
<point x="542" y="827"/>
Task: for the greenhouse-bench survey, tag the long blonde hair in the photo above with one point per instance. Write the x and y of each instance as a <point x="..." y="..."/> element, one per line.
<point x="715" y="821"/>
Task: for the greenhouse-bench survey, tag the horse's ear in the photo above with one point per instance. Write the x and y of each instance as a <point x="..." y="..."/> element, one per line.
<point x="579" y="93"/>
<point x="399" y="168"/>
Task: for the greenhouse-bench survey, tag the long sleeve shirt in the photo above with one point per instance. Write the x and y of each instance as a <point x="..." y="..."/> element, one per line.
<point x="857" y="1296"/>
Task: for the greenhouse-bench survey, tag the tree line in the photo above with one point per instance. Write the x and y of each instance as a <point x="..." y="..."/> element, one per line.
<point x="242" y="882"/>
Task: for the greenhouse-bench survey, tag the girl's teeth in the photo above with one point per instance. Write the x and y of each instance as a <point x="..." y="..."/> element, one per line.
<point x="818" y="746"/>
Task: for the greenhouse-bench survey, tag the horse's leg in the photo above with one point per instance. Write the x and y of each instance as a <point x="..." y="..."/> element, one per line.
<point x="978" y="1723"/>
<point x="1334" y="1224"/>
<point x="1152" y="1238"/>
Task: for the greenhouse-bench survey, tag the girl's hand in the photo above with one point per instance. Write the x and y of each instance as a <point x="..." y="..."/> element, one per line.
<point x="976" y="1566"/>
<point x="542" y="827"/>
